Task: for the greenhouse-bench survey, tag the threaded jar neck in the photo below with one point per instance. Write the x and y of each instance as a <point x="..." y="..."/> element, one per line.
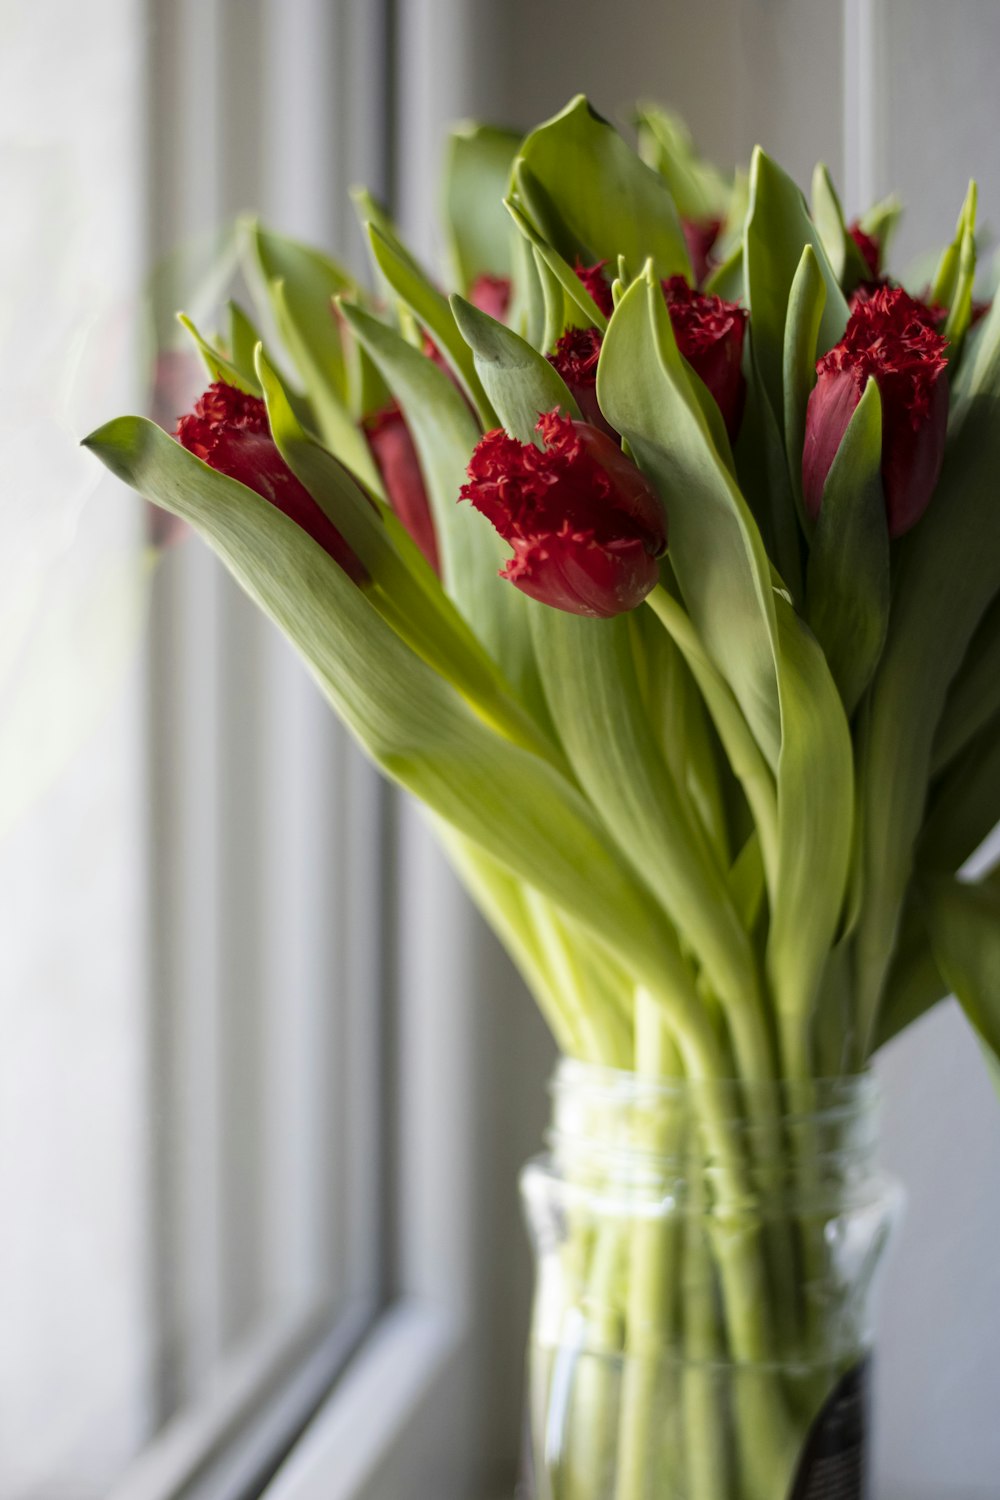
<point x="626" y="1133"/>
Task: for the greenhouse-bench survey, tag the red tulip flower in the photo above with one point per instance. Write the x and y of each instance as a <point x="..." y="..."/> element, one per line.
<point x="710" y="333"/>
<point x="871" y="249"/>
<point x="575" y="358"/>
<point x="396" y="458"/>
<point x="228" y="430"/>
<point x="491" y="294"/>
<point x="700" y="236"/>
<point x="585" y="527"/>
<point x="892" y="339"/>
<point x="597" y="284"/>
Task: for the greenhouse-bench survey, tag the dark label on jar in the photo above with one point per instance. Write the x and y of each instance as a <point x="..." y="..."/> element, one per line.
<point x="834" y="1463"/>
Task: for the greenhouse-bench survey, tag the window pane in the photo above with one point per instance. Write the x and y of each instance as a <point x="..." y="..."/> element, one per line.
<point x="190" y="851"/>
<point x="74" y="1369"/>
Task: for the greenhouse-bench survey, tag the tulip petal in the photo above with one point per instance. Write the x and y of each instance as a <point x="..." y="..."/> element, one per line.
<point x="847" y="597"/>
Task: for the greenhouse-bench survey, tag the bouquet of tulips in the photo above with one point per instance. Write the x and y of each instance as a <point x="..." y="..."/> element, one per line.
<point x="661" y="562"/>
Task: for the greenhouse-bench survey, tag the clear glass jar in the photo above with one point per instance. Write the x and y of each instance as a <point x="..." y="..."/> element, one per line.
<point x="706" y="1254"/>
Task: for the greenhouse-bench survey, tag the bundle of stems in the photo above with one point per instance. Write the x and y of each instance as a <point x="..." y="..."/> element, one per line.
<point x="712" y="749"/>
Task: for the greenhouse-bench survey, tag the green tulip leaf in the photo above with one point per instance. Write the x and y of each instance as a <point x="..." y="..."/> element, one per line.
<point x="404" y="715"/>
<point x="960" y="313"/>
<point x="806" y="301"/>
<point x="947" y="276"/>
<point x="700" y="192"/>
<point x="946" y="575"/>
<point x="337" y="494"/>
<point x="430" y="307"/>
<point x="762" y="468"/>
<point x="526" y="314"/>
<point x="243" y="340"/>
<point x="816" y="830"/>
<point x="579" y="310"/>
<point x="848" y="582"/>
<point x="914" y="984"/>
<point x="728" y="278"/>
<point x="846" y="261"/>
<point x="589" y="674"/>
<point x="218" y="366"/>
<point x="880" y="222"/>
<point x="964" y="804"/>
<point x="445" y="434"/>
<point x="964" y="925"/>
<point x="715" y="548"/>
<point x="476" y="179"/>
<point x="589" y="195"/>
<point x="974" y="697"/>
<point x="730" y="238"/>
<point x="334" y="423"/>
<point x="520" y="382"/>
<point x="778" y="230"/>
<point x="408" y="594"/>
<point x="770" y="661"/>
<point x="310" y="282"/>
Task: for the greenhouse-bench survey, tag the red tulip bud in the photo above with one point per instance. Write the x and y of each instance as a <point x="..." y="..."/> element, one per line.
<point x="585" y="527"/>
<point x="396" y="457"/>
<point x="870" y="247"/>
<point x="597" y="284"/>
<point x="892" y="339"/>
<point x="575" y="357"/>
<point x="709" y="334"/>
<point x="700" y="235"/>
<point x="228" y="430"/>
<point x="491" y="294"/>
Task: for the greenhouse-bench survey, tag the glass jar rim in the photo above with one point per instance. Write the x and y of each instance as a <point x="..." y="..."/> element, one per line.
<point x="844" y="1096"/>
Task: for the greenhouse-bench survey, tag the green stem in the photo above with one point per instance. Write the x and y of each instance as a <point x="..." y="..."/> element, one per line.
<point x="652" y="1274"/>
<point x="708" y="1442"/>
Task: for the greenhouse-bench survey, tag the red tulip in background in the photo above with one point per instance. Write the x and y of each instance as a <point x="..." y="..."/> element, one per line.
<point x="396" y="457"/>
<point x="710" y="333"/>
<point x="575" y="357"/>
<point x="585" y="527"/>
<point x="700" y="236"/>
<point x="871" y="249"/>
<point x="491" y="294"/>
<point x="597" y="284"/>
<point x="892" y="339"/>
<point x="228" y="430"/>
